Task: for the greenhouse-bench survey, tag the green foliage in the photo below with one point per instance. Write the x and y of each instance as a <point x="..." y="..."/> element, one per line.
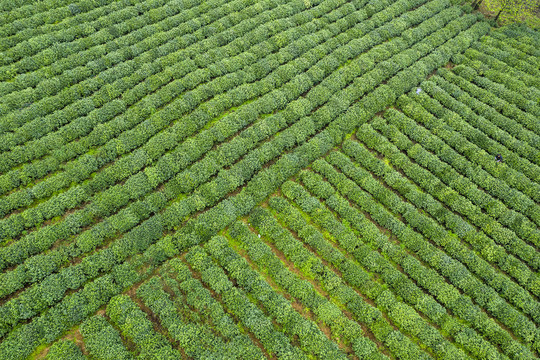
<point x="134" y="324"/>
<point x="102" y="341"/>
<point x="64" y="349"/>
<point x="512" y="11"/>
<point x="134" y="132"/>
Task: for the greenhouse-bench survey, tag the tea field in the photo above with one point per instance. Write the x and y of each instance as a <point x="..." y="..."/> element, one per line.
<point x="271" y="179"/>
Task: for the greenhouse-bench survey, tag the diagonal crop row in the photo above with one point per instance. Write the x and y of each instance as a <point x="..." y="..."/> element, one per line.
<point x="265" y="181"/>
<point x="87" y="241"/>
<point x="131" y="51"/>
<point x="104" y="73"/>
<point x="525" y="228"/>
<point x="299" y="288"/>
<point x="78" y="16"/>
<point x="384" y="267"/>
<point x="493" y="116"/>
<point x="298" y="133"/>
<point x="517" y="183"/>
<point x="460" y="166"/>
<point x="447" y="294"/>
<point x="511" y="111"/>
<point x="55" y="183"/>
<point x="310" y="338"/>
<point x="506" y="59"/>
<point x="61" y="68"/>
<point x="437" y="187"/>
<point x="133" y="116"/>
<point x="525" y="60"/>
<point x="182" y="24"/>
<point x="268" y="180"/>
<point x="135" y="325"/>
<point x="403" y="316"/>
<point x="499" y="72"/>
<point x="102" y="340"/>
<point x="19" y="9"/>
<point x="141" y="134"/>
<point x="505" y="133"/>
<point x="24" y="59"/>
<point x="175" y="160"/>
<point x="522" y="168"/>
<point x="190" y="296"/>
<point x="412" y="239"/>
<point x="197" y="340"/>
<point x="513" y="97"/>
<point x="238" y="303"/>
<point x="477" y="240"/>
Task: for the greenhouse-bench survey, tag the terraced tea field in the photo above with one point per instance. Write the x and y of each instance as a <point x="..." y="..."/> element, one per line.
<point x="267" y="179"/>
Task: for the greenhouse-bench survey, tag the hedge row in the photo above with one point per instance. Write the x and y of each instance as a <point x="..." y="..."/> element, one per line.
<point x="52" y="289"/>
<point x="237" y="302"/>
<point x="372" y="261"/>
<point x="174" y="42"/>
<point x="54" y="83"/>
<point x="486" y="248"/>
<point x="491" y="115"/>
<point x="267" y="181"/>
<point x="299" y="132"/>
<point x="179" y="45"/>
<point x="158" y="69"/>
<point x="527" y="120"/>
<point x="508" y="60"/>
<point x="40" y="266"/>
<point x="524" y="228"/>
<point x="477" y="178"/>
<point x="135" y="325"/>
<point x="49" y="46"/>
<point x="451" y="139"/>
<point x="151" y="150"/>
<point x="436" y="186"/>
<point x="197" y="340"/>
<point x="191" y="294"/>
<point x="410" y="236"/>
<point x="467" y="134"/>
<point x="514" y="98"/>
<point x="227" y="154"/>
<point x="65" y="349"/>
<point x="525" y="60"/>
<point x="75" y="18"/>
<point x="402" y="315"/>
<point x="501" y="73"/>
<point x="74" y="173"/>
<point x="449" y="296"/>
<point x="521" y="37"/>
<point x="40" y="13"/>
<point x="311" y="339"/>
<point x="73" y="309"/>
<point x="496" y="131"/>
<point x="102" y="340"/>
<point x="260" y="186"/>
<point x="126" y="219"/>
<point x="304" y="292"/>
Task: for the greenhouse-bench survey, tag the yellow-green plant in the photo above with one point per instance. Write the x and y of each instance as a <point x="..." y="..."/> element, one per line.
<point x="510" y="11"/>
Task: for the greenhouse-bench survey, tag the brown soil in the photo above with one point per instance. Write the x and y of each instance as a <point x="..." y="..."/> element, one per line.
<point x="75" y="335"/>
<point x="43" y="353"/>
<point x="432" y="73"/>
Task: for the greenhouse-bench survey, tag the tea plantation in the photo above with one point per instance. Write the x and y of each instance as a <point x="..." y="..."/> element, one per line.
<point x="267" y="179"/>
